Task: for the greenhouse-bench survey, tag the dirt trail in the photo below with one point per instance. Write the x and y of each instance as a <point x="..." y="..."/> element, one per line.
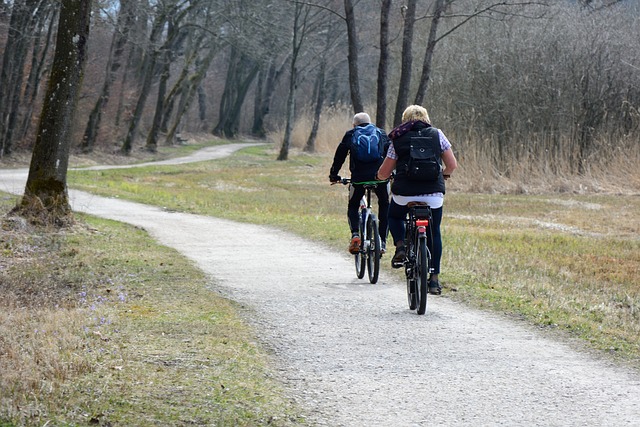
<point x="352" y="353"/>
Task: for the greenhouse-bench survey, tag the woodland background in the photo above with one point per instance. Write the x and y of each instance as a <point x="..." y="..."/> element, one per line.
<point x="522" y="88"/>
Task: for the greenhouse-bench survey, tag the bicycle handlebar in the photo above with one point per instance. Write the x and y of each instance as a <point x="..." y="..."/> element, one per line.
<point x="345" y="181"/>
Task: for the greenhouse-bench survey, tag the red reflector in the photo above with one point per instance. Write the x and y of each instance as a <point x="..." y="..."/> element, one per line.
<point x="423" y="222"/>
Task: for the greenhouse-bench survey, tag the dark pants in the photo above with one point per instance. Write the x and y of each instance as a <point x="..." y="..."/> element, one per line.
<point x="397" y="215"/>
<point x="355" y="195"/>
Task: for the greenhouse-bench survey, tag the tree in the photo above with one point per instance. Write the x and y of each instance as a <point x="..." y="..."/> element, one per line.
<point x="241" y="72"/>
<point x="301" y="15"/>
<point x="148" y="72"/>
<point x="120" y="35"/>
<point x="23" y="18"/>
<point x="383" y="64"/>
<point x="428" y="55"/>
<point x="352" y="56"/>
<point x="406" y="62"/>
<point x="45" y="198"/>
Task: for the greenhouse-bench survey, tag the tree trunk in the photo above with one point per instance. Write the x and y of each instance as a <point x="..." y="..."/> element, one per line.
<point x="296" y="43"/>
<point x="319" y="94"/>
<point x="383" y="65"/>
<point x="271" y="81"/>
<point x="149" y="66"/>
<point x="202" y="103"/>
<point x="192" y="87"/>
<point x="428" y="55"/>
<point x="152" y="137"/>
<point x="39" y="67"/>
<point x="113" y="65"/>
<point x="45" y="197"/>
<point x="407" y="61"/>
<point x="174" y="40"/>
<point x="240" y="74"/>
<point x="291" y="104"/>
<point x="12" y="72"/>
<point x="352" y="57"/>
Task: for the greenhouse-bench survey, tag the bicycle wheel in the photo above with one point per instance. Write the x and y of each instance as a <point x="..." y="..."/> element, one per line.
<point x="412" y="295"/>
<point x="361" y="264"/>
<point x="422" y="274"/>
<point x="373" y="249"/>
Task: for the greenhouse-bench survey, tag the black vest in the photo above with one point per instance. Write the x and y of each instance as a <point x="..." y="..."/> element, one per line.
<point x="403" y="186"/>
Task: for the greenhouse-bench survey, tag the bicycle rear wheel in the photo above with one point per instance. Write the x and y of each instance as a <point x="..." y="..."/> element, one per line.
<point x="373" y="249"/>
<point x="422" y="274"/>
<point x="412" y="294"/>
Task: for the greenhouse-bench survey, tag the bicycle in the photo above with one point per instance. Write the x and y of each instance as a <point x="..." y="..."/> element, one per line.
<point x="370" y="247"/>
<point x="417" y="264"/>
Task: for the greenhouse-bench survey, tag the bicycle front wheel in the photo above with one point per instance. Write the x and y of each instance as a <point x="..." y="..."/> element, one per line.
<point x="361" y="258"/>
<point x="373" y="249"/>
<point x="422" y="274"/>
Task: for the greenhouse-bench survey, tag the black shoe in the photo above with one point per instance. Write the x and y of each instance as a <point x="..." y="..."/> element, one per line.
<point x="398" y="259"/>
<point x="434" y="287"/>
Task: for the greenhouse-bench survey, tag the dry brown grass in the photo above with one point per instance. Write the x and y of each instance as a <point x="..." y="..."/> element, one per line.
<point x="616" y="172"/>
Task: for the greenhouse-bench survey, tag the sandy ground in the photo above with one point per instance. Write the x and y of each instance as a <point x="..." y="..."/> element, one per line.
<point x="353" y="354"/>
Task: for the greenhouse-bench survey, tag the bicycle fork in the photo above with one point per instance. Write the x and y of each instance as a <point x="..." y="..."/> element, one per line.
<point x="364" y="217"/>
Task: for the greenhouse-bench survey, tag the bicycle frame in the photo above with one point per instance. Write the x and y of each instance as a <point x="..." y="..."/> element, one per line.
<point x="368" y="258"/>
<point x="418" y="257"/>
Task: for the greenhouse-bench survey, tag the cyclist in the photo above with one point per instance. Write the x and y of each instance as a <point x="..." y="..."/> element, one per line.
<point x="361" y="171"/>
<point x="404" y="190"/>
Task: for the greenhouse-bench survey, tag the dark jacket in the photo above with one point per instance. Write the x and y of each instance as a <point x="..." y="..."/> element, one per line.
<point x="401" y="137"/>
<point x="360" y="171"/>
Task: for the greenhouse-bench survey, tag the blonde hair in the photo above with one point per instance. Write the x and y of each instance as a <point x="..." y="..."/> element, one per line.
<point x="415" y="112"/>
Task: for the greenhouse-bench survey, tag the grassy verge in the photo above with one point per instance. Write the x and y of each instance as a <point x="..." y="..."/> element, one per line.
<point x="102" y="326"/>
<point x="564" y="261"/>
<point x="99" y="325"/>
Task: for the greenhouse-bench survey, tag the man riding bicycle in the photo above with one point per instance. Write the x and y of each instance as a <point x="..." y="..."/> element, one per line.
<point x="362" y="169"/>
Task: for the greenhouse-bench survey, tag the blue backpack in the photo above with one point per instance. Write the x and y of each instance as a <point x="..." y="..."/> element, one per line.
<point x="366" y="143"/>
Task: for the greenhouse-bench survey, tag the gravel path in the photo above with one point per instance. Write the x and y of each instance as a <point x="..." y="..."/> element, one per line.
<point x="352" y="353"/>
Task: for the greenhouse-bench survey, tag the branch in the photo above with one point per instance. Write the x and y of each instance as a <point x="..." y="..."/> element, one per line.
<point x="490" y="8"/>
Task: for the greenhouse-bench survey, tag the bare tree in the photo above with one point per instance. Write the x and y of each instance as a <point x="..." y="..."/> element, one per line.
<point x="45" y="195"/>
<point x="120" y="37"/>
<point x="266" y="87"/>
<point x="383" y="64"/>
<point x="354" y="78"/>
<point x="23" y="18"/>
<point x="148" y="71"/>
<point x="439" y="6"/>
<point x="300" y="22"/>
<point x="406" y="61"/>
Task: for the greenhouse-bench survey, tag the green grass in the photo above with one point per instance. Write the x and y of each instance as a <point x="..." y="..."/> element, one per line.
<point x="101" y="325"/>
<point x="564" y="261"/>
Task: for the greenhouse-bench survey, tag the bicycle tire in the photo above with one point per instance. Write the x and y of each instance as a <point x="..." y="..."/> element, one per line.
<point x="412" y="295"/>
<point x="373" y="249"/>
<point x="361" y="256"/>
<point x="422" y="274"/>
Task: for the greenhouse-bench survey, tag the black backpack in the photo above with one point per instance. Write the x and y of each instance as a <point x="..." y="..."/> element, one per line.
<point x="424" y="156"/>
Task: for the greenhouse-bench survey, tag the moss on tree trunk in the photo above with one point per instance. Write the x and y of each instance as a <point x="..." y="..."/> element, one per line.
<point x="45" y="197"/>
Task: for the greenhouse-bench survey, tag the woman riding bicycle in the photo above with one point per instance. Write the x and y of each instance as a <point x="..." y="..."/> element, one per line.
<point x="416" y="123"/>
